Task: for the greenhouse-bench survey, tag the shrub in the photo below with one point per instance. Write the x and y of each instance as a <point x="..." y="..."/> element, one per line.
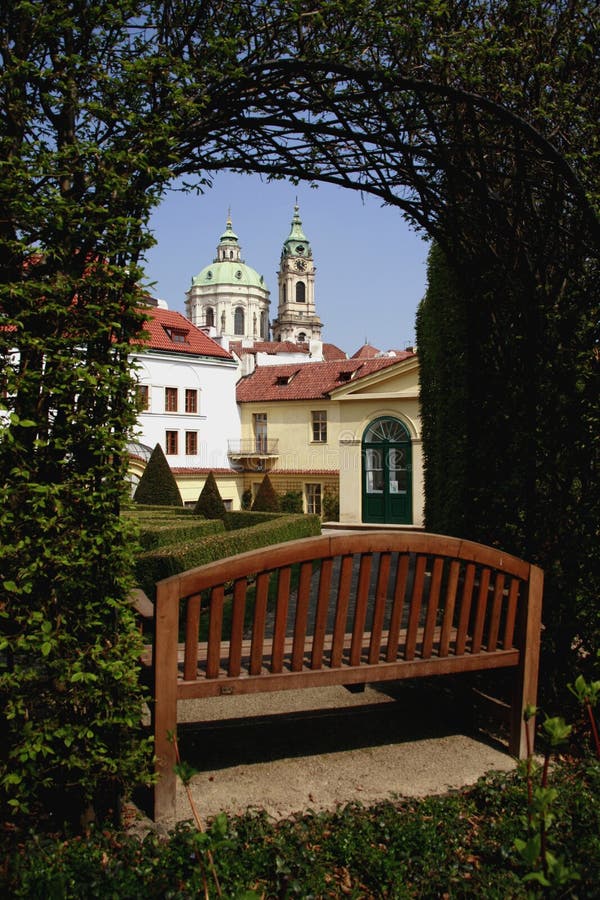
<point x="210" y="503"/>
<point x="331" y="506"/>
<point x="247" y="499"/>
<point x="266" y="499"/>
<point x="165" y="532"/>
<point x="157" y="484"/>
<point x="291" y="502"/>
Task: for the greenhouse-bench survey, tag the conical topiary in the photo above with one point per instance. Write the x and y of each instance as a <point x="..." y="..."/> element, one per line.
<point x="157" y="485"/>
<point x="210" y="503"/>
<point x="266" y="499"/>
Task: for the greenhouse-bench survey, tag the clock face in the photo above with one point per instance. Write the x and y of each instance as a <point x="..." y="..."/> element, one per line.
<point x="300" y="264"/>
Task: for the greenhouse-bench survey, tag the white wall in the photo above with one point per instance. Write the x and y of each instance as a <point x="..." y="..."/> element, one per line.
<point x="217" y="419"/>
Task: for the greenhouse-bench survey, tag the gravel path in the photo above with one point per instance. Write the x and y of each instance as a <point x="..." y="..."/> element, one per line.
<point x="315" y="749"/>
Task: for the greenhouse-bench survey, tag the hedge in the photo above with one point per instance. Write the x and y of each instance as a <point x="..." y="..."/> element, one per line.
<point x="152" y="566"/>
<point x="167" y="532"/>
<point x="244" y="518"/>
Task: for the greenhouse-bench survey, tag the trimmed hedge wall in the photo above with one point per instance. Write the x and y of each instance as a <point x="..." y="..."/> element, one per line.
<point x="164" y="532"/>
<point x="244" y="518"/>
<point x="155" y="565"/>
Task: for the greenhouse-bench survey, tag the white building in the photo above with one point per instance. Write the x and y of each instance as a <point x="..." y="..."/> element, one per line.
<point x="186" y="387"/>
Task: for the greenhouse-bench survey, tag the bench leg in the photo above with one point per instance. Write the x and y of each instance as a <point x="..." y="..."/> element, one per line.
<point x="526" y="681"/>
<point x="165" y="699"/>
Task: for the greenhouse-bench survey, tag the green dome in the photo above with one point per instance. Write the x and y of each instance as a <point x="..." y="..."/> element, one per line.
<point x="231" y="272"/>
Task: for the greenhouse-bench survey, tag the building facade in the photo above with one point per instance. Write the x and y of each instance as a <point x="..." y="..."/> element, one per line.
<point x="186" y="395"/>
<point x="349" y="428"/>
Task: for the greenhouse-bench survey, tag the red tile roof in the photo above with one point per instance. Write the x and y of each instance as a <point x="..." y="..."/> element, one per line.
<point x="306" y="381"/>
<point x="170" y="330"/>
<point x="367" y="351"/>
<point x="270" y="347"/>
<point x="332" y="351"/>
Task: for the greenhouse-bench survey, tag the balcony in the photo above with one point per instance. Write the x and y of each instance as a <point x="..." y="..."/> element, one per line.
<point x="254" y="453"/>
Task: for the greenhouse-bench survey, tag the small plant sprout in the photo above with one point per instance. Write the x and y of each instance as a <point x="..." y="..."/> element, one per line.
<point x="587" y="693"/>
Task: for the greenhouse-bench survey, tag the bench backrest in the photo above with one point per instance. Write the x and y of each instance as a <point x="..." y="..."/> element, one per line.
<point x="345" y="599"/>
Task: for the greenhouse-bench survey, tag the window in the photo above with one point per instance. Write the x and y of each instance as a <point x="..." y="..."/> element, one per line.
<point x="302" y="338"/>
<point x="170" y="399"/>
<point x="171" y="443"/>
<point x="300" y="292"/>
<point x="210" y="317"/>
<point x="143" y="396"/>
<point x="319" y="426"/>
<point x="260" y="432"/>
<point x="191" y="400"/>
<point x="313" y="498"/>
<point x="191" y="443"/>
<point x="238" y="321"/>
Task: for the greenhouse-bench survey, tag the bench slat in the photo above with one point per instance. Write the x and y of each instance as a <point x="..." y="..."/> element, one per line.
<point x="383" y="576"/>
<point x="283" y="598"/>
<point x="215" y="628"/>
<point x="433" y="602"/>
<point x="301" y="619"/>
<point x="237" y="626"/>
<point x="466" y="600"/>
<point x="322" y="613"/>
<point x="482" y="602"/>
<point x="341" y="610"/>
<point x="492" y="642"/>
<point x="415" y="608"/>
<point x="511" y="614"/>
<point x="360" y="610"/>
<point x="192" y="627"/>
<point x="397" y="606"/>
<point x="449" y="606"/>
<point x="260" y="618"/>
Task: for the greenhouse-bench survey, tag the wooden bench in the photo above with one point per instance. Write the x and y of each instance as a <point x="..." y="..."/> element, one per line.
<point x="342" y="609"/>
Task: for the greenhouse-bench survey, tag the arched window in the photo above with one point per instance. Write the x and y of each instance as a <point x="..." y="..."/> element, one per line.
<point x="238" y="321"/>
<point x="210" y="316"/>
<point x="231" y="254"/>
<point x="302" y="337"/>
<point x="264" y="326"/>
<point x="300" y="292"/>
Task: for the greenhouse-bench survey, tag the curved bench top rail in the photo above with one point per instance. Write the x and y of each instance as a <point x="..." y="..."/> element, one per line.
<point x="326" y="546"/>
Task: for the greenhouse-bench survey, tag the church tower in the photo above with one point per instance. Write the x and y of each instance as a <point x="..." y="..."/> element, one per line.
<point x="228" y="295"/>
<point x="296" y="320"/>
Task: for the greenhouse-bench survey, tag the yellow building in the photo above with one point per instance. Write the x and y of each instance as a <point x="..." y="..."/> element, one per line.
<point x="350" y="426"/>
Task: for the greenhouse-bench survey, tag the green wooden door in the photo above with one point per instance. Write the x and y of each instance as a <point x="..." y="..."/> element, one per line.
<point x="387" y="473"/>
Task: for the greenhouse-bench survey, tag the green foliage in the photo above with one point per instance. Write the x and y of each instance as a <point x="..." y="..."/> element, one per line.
<point x="247" y="499"/>
<point x="266" y="499"/>
<point x="331" y="505"/>
<point x="161" y="533"/>
<point x="510" y="433"/>
<point x="291" y="502"/>
<point x="165" y="561"/>
<point x="210" y="503"/>
<point x="157" y="486"/>
<point x="460" y="844"/>
<point x="441" y="330"/>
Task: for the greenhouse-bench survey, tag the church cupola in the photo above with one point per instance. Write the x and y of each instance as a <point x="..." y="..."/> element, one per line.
<point x="296" y="315"/>
<point x="228" y="296"/>
<point x="229" y="246"/>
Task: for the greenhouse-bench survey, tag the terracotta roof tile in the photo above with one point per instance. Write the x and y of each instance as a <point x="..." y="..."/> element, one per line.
<point x="310" y="381"/>
<point x="170" y="330"/>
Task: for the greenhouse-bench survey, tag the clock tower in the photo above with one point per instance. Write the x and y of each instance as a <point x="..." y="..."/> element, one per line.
<point x="296" y="320"/>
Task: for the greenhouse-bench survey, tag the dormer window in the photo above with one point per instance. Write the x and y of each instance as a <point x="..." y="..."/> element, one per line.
<point x="285" y="379"/>
<point x="177" y="335"/>
<point x="345" y="376"/>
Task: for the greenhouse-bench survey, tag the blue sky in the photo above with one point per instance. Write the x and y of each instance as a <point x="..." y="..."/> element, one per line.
<point x="370" y="264"/>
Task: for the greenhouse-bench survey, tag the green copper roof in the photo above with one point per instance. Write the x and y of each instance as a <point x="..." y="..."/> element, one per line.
<point x="233" y="271"/>
<point x="229" y="236"/>
<point x="296" y="244"/>
<point x="229" y="272"/>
